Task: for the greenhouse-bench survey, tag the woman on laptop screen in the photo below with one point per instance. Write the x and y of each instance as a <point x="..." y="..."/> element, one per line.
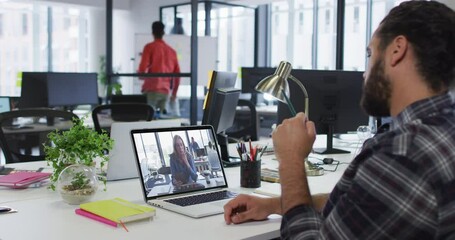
<point x="182" y="164"/>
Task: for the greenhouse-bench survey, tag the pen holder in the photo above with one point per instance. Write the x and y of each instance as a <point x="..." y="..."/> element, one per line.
<point x="250" y="174"/>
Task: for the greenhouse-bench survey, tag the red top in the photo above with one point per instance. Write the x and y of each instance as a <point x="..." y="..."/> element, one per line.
<point x="158" y="57"/>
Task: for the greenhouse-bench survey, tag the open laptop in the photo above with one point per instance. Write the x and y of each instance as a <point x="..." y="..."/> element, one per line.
<point x="166" y="185"/>
<point x="121" y="158"/>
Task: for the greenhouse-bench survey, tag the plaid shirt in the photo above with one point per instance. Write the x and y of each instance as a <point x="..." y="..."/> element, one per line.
<point x="401" y="185"/>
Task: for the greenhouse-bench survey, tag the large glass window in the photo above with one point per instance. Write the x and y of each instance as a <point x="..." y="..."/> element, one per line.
<point x="231" y="25"/>
<point x="292" y="37"/>
<point x="69" y="39"/>
<point x="303" y="34"/>
<point x="355" y="35"/>
<point x="326" y="37"/>
<point x="279" y="36"/>
<point x="227" y="45"/>
<point x="292" y="32"/>
<point x="25" y="41"/>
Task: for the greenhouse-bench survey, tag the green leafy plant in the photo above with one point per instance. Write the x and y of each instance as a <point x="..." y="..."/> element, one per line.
<point x="78" y="145"/>
<point x="114" y="87"/>
<point x="80" y="181"/>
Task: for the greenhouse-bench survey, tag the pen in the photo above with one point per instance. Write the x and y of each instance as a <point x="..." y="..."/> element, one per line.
<point x="263" y="151"/>
<point x="291" y="107"/>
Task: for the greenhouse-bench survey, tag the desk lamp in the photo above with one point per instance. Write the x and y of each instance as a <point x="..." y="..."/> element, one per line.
<point x="277" y="86"/>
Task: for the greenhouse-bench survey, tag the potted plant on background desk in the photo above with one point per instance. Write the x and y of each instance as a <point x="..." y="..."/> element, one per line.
<point x="72" y="156"/>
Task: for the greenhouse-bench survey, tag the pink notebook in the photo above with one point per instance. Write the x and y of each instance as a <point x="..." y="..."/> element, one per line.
<point x="22" y="179"/>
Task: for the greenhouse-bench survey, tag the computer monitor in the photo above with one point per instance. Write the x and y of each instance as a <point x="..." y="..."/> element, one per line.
<point x="72" y="89"/>
<point x="251" y="76"/>
<point x="219" y="109"/>
<point x="33" y="90"/>
<point x="5" y="105"/>
<point x="334" y="102"/>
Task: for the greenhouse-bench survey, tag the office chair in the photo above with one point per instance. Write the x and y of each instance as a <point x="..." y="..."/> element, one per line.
<point x="129" y="98"/>
<point x="23" y="132"/>
<point x="214" y="162"/>
<point x="245" y="129"/>
<point x="104" y="115"/>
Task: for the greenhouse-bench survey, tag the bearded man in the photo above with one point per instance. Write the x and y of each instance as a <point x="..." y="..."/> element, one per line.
<point x="402" y="183"/>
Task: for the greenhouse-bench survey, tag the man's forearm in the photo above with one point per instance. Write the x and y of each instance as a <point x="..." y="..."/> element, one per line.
<point x="294" y="184"/>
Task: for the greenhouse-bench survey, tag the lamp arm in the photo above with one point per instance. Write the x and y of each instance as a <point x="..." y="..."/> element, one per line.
<point x="304" y="93"/>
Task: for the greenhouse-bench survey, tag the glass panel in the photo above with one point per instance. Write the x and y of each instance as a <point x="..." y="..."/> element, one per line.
<point x="24" y="40"/>
<point x="303" y="34"/>
<point x="279" y="36"/>
<point x="184" y="12"/>
<point x="168" y="19"/>
<point x="69" y="39"/>
<point x="232" y="26"/>
<point x="292" y="33"/>
<point x="326" y="45"/>
<point x="355" y="35"/>
<point x="380" y="10"/>
<point x="23" y="37"/>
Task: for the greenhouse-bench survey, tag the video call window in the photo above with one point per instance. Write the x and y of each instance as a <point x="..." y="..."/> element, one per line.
<point x="156" y="152"/>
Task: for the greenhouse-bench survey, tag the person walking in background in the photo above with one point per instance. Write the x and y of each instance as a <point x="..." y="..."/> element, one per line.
<point x="194" y="146"/>
<point x="158" y="57"/>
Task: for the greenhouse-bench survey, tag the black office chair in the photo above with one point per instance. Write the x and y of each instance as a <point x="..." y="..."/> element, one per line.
<point x="246" y="125"/>
<point x="104" y="115"/>
<point x="129" y="98"/>
<point x="23" y="132"/>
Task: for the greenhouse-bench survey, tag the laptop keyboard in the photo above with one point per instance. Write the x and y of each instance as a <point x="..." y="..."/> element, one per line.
<point x="202" y="198"/>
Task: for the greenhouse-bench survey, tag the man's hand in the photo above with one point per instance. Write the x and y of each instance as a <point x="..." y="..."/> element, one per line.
<point x="246" y="207"/>
<point x="293" y="141"/>
<point x="294" y="137"/>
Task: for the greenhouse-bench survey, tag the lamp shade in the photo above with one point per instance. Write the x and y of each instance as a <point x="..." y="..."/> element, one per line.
<point x="276" y="83"/>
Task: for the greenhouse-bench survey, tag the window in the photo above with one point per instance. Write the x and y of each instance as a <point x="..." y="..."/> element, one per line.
<point x="356" y="18"/>
<point x="1" y="25"/>
<point x="232" y="25"/>
<point x="355" y="35"/>
<point x="319" y="52"/>
<point x="326" y="37"/>
<point x="24" y="24"/>
<point x="28" y="44"/>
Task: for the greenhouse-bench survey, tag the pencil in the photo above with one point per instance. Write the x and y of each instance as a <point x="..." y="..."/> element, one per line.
<point x="290" y="106"/>
<point x="123" y="225"/>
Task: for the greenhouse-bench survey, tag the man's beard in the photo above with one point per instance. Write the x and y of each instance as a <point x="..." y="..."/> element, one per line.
<point x="377" y="92"/>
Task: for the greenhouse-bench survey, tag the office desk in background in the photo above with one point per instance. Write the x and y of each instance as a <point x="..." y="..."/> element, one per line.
<point x="43" y="215"/>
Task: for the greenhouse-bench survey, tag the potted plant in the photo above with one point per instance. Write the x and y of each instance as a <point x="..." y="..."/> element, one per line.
<point x="79" y="146"/>
<point x="106" y="90"/>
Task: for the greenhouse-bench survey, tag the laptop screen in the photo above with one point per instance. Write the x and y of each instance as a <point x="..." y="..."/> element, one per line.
<point x="169" y="163"/>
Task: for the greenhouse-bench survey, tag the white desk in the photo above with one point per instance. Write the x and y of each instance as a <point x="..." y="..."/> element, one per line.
<point x="43" y="215"/>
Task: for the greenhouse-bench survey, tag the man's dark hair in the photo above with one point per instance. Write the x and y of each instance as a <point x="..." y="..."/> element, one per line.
<point x="158" y="29"/>
<point x="430" y="28"/>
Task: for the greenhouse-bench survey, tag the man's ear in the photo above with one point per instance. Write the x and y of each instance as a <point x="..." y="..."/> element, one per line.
<point x="399" y="47"/>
